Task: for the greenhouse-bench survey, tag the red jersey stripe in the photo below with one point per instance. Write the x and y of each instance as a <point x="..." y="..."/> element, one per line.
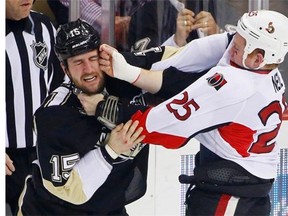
<point x="238" y="136"/>
<point x="222" y="205"/>
<point x="166" y="140"/>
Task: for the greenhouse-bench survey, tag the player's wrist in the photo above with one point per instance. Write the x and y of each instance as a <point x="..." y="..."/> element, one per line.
<point x="179" y="40"/>
<point x="124" y="71"/>
<point x="132" y="74"/>
<point x="111" y="152"/>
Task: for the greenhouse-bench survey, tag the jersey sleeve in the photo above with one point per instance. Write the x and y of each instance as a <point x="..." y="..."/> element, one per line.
<point x="214" y="99"/>
<point x="175" y="81"/>
<point x="65" y="136"/>
<point x="146" y="58"/>
<point x="197" y="55"/>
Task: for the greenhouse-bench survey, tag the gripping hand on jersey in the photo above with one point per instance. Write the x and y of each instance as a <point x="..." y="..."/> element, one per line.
<point x="115" y="65"/>
<point x="125" y="137"/>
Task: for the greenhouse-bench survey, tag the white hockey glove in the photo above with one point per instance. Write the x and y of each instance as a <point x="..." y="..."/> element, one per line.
<point x="122" y="70"/>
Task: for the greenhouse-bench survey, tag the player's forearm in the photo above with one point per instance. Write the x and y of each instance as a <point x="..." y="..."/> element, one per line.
<point x="150" y="81"/>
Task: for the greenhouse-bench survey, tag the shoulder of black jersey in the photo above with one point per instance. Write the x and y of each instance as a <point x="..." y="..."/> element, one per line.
<point x="145" y="58"/>
<point x="61" y="96"/>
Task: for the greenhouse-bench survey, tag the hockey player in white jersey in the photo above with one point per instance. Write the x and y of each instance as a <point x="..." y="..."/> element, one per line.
<point x="235" y="111"/>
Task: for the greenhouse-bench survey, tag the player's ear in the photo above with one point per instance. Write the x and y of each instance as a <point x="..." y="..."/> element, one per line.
<point x="258" y="59"/>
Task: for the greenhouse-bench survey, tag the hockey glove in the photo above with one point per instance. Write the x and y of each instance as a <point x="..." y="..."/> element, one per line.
<point x="107" y="112"/>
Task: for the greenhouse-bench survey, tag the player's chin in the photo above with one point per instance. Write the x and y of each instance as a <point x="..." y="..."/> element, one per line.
<point x="92" y="89"/>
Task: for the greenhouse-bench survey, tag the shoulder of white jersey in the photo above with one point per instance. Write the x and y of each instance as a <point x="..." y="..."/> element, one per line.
<point x="217" y="41"/>
<point x="59" y="96"/>
<point x="198" y="55"/>
<point x="233" y="82"/>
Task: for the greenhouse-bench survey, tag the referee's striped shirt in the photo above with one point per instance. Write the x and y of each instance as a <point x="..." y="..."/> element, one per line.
<point x="32" y="69"/>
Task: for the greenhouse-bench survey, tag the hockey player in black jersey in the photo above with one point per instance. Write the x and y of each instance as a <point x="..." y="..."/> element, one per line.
<point x="82" y="168"/>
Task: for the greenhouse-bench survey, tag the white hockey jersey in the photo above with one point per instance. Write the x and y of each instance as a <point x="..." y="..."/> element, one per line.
<point x="234" y="112"/>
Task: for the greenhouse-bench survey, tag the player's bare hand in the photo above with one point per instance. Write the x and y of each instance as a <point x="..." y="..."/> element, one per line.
<point x="105" y="60"/>
<point x="124" y="136"/>
<point x="9" y="166"/>
<point x="90" y="102"/>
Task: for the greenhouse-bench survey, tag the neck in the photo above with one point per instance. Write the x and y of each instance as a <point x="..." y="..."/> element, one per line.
<point x="262" y="70"/>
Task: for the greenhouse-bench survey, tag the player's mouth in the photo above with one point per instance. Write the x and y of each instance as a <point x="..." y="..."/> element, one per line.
<point x="89" y="78"/>
<point x="26" y="4"/>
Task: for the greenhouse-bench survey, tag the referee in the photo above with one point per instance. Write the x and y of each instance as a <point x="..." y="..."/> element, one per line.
<point x="32" y="70"/>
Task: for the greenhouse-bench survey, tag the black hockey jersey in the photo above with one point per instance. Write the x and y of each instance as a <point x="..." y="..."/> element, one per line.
<point x="62" y="184"/>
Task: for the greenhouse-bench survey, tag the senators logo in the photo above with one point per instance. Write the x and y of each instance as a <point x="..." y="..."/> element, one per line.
<point x="217" y="81"/>
<point x="270" y="28"/>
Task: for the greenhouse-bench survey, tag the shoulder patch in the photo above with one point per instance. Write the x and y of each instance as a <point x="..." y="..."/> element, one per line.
<point x="153" y="49"/>
<point x="217" y="81"/>
<point x="58" y="97"/>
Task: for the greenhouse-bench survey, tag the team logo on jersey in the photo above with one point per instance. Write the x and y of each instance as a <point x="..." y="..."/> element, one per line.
<point x="217" y="81"/>
<point x="40" y="54"/>
<point x="138" y="100"/>
<point x="141" y="44"/>
<point x="153" y="49"/>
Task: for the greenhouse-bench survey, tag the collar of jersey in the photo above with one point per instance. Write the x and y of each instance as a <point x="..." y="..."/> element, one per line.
<point x="254" y="71"/>
<point x="19" y="26"/>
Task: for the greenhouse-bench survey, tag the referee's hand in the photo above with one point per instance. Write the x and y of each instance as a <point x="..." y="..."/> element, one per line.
<point x="9" y="166"/>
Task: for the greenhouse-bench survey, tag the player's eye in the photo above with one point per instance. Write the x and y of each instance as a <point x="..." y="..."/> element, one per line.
<point x="94" y="58"/>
